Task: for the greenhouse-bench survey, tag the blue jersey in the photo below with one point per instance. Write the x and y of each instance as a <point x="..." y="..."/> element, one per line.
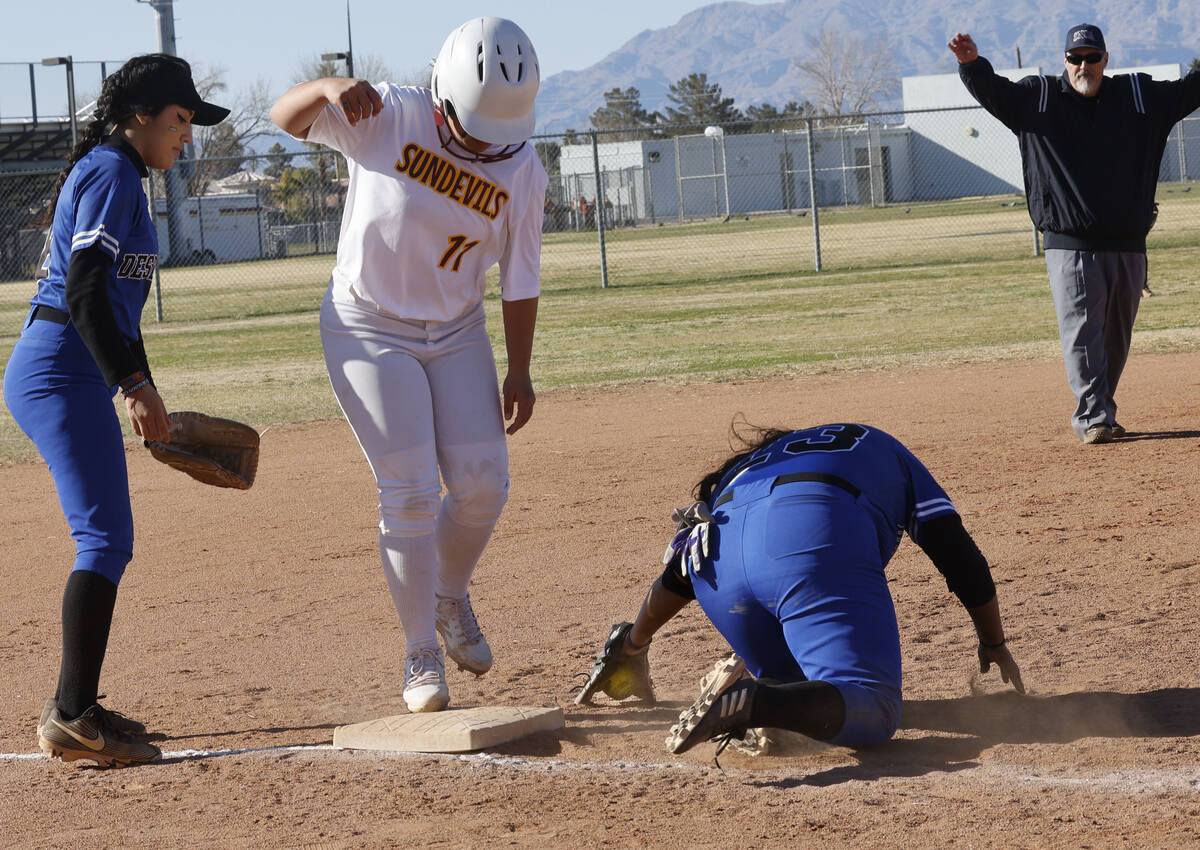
<point x="896" y="488"/>
<point x="102" y="204"/>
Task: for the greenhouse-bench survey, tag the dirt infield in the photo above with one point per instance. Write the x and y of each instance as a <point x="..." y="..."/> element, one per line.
<point x="250" y="624"/>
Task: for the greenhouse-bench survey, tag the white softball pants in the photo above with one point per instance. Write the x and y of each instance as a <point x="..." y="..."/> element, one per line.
<point x="422" y="397"/>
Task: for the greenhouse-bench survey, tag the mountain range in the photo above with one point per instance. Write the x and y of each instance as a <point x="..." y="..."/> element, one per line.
<point x="750" y="50"/>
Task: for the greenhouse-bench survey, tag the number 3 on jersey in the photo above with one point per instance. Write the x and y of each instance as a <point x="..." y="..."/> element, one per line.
<point x="459" y="246"/>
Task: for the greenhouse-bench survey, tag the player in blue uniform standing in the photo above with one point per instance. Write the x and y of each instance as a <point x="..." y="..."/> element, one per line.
<point x="80" y="344"/>
<point x="785" y="551"/>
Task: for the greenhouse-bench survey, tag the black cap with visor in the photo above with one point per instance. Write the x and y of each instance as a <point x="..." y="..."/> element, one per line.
<point x="167" y="79"/>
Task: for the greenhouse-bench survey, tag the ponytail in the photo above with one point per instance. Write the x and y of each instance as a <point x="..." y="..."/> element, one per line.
<point x="752" y="438"/>
<point x="94" y="135"/>
<point x="115" y="104"/>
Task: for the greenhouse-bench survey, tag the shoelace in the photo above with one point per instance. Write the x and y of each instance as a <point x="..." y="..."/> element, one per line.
<point x="724" y="742"/>
<point x="108" y="715"/>
<point x="423" y="663"/>
<point x="464" y="615"/>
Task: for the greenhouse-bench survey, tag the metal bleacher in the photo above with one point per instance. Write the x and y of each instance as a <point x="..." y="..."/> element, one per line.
<point x="33" y="139"/>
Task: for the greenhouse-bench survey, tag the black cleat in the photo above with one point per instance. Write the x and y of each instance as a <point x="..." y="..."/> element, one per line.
<point x="721" y="710"/>
<point x="91" y="736"/>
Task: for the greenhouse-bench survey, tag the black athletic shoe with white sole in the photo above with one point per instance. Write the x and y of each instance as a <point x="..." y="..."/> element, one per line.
<point x="91" y="736"/>
<point x="722" y="709"/>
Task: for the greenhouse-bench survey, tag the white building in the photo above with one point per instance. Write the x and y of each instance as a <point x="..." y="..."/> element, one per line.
<point x="970" y="148"/>
<point x="942" y="146"/>
<point x="716" y="174"/>
<point x="216" y="228"/>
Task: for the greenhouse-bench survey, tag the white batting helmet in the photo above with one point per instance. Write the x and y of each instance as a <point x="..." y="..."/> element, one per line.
<point x="488" y="72"/>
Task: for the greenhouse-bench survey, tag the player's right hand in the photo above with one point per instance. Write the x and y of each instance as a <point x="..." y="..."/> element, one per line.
<point x="148" y="415"/>
<point x="1002" y="658"/>
<point x="963" y="48"/>
<point x="358" y="99"/>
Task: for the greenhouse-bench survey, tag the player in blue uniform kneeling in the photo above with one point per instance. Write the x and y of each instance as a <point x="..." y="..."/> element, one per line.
<point x="785" y="550"/>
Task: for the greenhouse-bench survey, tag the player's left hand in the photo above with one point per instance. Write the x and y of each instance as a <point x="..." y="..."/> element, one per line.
<point x="519" y="397"/>
<point x="1002" y="658"/>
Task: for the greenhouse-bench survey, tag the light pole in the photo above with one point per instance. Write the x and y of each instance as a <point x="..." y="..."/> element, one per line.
<point x="333" y="57"/>
<point x="349" y="54"/>
<point x="66" y="60"/>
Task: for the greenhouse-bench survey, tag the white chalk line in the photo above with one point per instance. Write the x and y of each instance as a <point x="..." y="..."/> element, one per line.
<point x="1125" y="781"/>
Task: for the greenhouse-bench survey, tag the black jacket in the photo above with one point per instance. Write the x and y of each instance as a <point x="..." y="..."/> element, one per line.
<point x="1091" y="163"/>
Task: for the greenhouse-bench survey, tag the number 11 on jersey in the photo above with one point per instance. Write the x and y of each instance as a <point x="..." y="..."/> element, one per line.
<point x="459" y="246"/>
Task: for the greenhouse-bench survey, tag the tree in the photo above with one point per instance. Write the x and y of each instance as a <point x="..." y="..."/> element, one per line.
<point x="846" y="74"/>
<point x="223" y="152"/>
<point x="623" y="110"/>
<point x="550" y="154"/>
<point x="278" y="161"/>
<point x="765" y="118"/>
<point x="366" y="67"/>
<point x="695" y="101"/>
<point x="1195" y="65"/>
<point x="228" y="142"/>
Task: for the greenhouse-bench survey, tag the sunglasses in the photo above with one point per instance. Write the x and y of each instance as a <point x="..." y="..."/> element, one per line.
<point x="1090" y="58"/>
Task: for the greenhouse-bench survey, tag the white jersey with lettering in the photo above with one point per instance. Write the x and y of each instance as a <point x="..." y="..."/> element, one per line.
<point x="422" y="227"/>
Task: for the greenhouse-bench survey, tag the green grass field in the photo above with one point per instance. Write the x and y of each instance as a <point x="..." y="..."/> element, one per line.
<point x="700" y="302"/>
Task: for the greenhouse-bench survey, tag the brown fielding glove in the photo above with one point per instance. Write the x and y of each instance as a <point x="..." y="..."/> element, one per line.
<point x="618" y="675"/>
<point x="219" y="452"/>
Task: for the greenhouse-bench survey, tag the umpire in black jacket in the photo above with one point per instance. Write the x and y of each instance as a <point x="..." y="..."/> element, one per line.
<point x="1091" y="147"/>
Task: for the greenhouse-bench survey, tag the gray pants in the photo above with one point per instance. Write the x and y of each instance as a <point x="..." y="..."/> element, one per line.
<point x="1096" y="296"/>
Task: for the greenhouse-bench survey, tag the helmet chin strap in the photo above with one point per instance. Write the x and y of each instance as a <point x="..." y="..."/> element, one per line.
<point x="455" y="148"/>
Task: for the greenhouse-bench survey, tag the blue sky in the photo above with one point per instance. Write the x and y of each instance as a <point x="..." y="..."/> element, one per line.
<point x="269" y="39"/>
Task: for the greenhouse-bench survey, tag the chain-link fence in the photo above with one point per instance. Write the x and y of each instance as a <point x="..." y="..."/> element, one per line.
<point x="255" y="236"/>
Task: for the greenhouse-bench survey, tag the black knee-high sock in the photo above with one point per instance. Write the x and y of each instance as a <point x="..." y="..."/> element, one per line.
<point x="86" y="617"/>
<point x="815" y="709"/>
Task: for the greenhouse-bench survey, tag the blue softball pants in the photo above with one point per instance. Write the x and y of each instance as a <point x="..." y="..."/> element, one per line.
<point x="58" y="397"/>
<point x="796" y="584"/>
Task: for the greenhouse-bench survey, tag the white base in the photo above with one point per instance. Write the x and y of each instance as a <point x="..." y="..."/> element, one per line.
<point x="451" y="731"/>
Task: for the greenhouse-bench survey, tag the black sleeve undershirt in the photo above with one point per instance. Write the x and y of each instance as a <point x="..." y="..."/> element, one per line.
<point x="674" y="580"/>
<point x="92" y="314"/>
<point x="957" y="558"/>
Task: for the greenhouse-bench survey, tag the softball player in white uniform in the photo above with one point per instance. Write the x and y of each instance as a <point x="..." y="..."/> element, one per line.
<point x="442" y="186"/>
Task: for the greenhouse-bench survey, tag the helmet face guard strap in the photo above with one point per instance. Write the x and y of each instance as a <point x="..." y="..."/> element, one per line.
<point x="455" y="148"/>
<point x="487" y="75"/>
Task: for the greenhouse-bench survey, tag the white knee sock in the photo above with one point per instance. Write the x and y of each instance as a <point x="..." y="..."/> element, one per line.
<point x="410" y="565"/>
<point x="459" y="549"/>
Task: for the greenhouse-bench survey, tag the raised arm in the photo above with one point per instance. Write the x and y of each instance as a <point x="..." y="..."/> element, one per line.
<point x="298" y="108"/>
<point x="963" y="47"/>
<point x="1010" y="102"/>
<point x="1180" y="97"/>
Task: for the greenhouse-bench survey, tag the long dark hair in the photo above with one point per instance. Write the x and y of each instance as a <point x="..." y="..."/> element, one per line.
<point x="751" y="438"/>
<point x="120" y="97"/>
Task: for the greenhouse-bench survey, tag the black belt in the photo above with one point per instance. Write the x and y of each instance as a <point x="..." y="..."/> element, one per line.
<point x="792" y="477"/>
<point x="51" y="314"/>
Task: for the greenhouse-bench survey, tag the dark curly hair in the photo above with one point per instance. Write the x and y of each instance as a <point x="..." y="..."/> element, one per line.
<point x="752" y="438"/>
<point x="125" y="92"/>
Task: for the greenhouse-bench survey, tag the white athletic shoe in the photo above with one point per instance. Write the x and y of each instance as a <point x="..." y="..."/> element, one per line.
<point x="425" y="681"/>
<point x="465" y="643"/>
